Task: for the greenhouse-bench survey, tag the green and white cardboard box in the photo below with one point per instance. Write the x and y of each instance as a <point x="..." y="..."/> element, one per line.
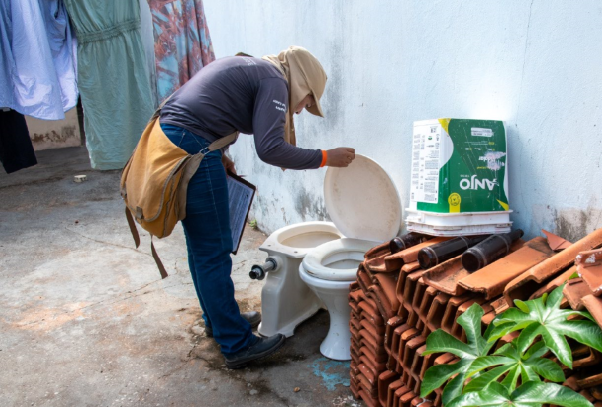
<point x="459" y="182"/>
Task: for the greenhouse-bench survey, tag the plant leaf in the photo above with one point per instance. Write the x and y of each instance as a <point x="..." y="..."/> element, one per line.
<point x="548" y="393"/>
<point x="583" y="331"/>
<point x="485" y="379"/>
<point x="436" y="376"/>
<point x="529" y="394"/>
<point x="528" y="374"/>
<point x="484" y="362"/>
<point x="546" y="369"/>
<point x="500" y="329"/>
<point x="494" y="395"/>
<point x="558" y="345"/>
<point x="555" y="298"/>
<point x="470" y="320"/>
<point x="527" y="336"/>
<point x="522" y="306"/>
<point x="442" y="342"/>
<point x="512" y="378"/>
<point x="453" y="390"/>
<point x="537" y="350"/>
<point x="545" y="318"/>
<point x="508" y="350"/>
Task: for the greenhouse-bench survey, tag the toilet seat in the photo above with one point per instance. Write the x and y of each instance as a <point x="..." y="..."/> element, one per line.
<point x="317" y="263"/>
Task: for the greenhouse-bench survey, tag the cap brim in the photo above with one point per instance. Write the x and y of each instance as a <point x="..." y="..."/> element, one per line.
<point x="316" y="109"/>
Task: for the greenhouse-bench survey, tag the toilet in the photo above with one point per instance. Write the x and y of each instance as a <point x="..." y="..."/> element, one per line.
<point x="285" y="300"/>
<point x="328" y="271"/>
<point x="312" y="264"/>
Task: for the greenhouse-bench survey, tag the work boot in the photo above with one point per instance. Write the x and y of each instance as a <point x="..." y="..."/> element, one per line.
<point x="252" y="317"/>
<point x="260" y="348"/>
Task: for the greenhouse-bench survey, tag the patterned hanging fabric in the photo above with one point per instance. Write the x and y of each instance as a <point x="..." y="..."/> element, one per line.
<point x="182" y="42"/>
<point x="113" y="78"/>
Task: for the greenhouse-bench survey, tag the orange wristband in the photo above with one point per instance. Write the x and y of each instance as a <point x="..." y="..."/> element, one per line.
<point x="324" y="158"/>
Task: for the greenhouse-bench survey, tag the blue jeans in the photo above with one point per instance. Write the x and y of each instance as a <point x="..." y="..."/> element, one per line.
<point x="209" y="243"/>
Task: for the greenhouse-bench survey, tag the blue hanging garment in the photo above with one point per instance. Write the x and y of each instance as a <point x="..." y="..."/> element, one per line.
<point x="38" y="67"/>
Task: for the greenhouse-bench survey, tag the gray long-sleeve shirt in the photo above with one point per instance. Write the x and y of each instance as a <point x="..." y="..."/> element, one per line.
<point x="240" y="94"/>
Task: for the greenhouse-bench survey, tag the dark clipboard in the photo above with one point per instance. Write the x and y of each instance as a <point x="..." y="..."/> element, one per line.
<point x="241" y="193"/>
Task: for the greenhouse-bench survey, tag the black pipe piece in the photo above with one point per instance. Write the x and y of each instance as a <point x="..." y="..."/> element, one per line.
<point x="432" y="255"/>
<point x="406" y="241"/>
<point x="489" y="250"/>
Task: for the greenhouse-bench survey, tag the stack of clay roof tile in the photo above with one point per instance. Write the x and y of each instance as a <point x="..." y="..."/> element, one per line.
<point x="396" y="305"/>
<point x="367" y="338"/>
<point x="585" y="293"/>
<point x="586" y="375"/>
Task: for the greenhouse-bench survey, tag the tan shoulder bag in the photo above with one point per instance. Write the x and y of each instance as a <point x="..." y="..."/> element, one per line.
<point x="154" y="183"/>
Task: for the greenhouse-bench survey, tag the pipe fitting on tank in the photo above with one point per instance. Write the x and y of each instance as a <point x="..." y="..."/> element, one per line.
<point x="258" y="271"/>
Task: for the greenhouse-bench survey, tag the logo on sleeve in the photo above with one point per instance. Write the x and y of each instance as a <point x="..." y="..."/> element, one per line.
<point x="279" y="105"/>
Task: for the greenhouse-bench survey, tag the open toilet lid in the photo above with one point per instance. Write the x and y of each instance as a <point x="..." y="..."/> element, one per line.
<point x="362" y="200"/>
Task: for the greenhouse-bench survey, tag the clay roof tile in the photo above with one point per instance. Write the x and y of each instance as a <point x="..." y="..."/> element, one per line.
<point x="554" y="283"/>
<point x="492" y="279"/>
<point x="574" y="291"/>
<point x="594" y="306"/>
<point x="592" y="275"/>
<point x="524" y="285"/>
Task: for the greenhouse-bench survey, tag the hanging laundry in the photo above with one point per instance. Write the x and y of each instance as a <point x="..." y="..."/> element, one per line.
<point x="63" y="46"/>
<point x="182" y="42"/>
<point x="38" y="74"/>
<point x="113" y="78"/>
<point x="16" y="148"/>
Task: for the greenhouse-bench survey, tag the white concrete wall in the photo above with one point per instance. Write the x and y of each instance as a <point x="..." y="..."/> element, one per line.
<point x="536" y="64"/>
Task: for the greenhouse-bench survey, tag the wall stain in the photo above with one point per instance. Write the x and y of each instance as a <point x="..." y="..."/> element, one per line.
<point x="52" y="136"/>
<point x="310" y="207"/>
<point x="572" y="224"/>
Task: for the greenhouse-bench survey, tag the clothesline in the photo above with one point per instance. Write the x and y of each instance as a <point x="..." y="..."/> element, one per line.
<point x="129" y="55"/>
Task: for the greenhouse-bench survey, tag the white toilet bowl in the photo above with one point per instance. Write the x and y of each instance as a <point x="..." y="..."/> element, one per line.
<point x="317" y="261"/>
<point x="328" y="270"/>
<point x="286" y="300"/>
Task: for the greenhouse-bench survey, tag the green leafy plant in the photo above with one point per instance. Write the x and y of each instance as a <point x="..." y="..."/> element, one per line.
<point x="442" y="342"/>
<point x="253" y="224"/>
<point x="483" y="379"/>
<point x="544" y="317"/>
<point x="529" y="394"/>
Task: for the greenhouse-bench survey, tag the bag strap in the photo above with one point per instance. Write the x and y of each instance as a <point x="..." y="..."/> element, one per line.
<point x="158" y="261"/>
<point x="157" y="112"/>
<point x="216" y="145"/>
<point x="133" y="228"/>
<point x="223" y="142"/>
<point x="136" y="237"/>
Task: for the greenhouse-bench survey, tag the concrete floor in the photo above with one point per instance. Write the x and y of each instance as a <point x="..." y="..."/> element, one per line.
<point x="86" y="320"/>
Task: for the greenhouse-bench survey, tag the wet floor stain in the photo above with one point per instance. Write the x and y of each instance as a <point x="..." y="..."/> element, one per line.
<point x="332" y="372"/>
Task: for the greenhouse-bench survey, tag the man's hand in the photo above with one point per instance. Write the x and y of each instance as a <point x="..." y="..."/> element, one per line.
<point x="340" y="157"/>
<point x="228" y="164"/>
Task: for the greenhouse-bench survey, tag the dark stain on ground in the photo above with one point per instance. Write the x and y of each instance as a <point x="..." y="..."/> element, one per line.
<point x="263" y="387"/>
<point x="298" y="348"/>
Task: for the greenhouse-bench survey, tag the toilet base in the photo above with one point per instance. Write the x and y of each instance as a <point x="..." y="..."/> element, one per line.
<point x="288" y="329"/>
<point x="334" y="294"/>
<point x="337" y="344"/>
